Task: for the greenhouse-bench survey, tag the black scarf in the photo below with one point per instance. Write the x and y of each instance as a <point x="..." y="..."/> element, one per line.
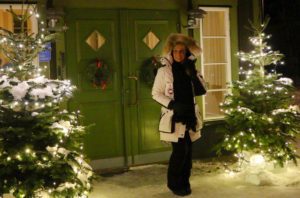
<point x="183" y="93"/>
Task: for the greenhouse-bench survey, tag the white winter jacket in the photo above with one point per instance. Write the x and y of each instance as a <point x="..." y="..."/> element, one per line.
<point x="163" y="93"/>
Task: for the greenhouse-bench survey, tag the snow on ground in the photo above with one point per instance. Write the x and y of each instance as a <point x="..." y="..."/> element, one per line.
<point x="208" y="180"/>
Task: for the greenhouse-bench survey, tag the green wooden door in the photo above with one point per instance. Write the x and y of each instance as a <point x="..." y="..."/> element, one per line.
<point x="146" y="32"/>
<point x="125" y="117"/>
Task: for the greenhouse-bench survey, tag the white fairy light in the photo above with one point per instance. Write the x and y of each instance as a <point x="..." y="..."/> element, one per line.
<point x="257" y="92"/>
<point x="18" y="156"/>
<point x="27" y="150"/>
<point x="278" y="88"/>
<point x="257" y="160"/>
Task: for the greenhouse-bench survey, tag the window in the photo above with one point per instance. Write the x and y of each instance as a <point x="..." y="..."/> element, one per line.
<point x="7" y="22"/>
<point x="215" y="59"/>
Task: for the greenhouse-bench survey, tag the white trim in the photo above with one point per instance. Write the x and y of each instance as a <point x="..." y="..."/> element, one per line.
<point x="217" y="37"/>
<point x="217" y="90"/>
<point x="215" y="63"/>
<point x="215" y="118"/>
<point x="202" y="66"/>
<point x="227" y="51"/>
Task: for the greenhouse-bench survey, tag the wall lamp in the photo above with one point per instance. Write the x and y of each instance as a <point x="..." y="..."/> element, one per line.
<point x="55" y="17"/>
<point x="194" y="17"/>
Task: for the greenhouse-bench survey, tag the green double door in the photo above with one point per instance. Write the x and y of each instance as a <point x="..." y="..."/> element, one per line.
<point x="124" y="116"/>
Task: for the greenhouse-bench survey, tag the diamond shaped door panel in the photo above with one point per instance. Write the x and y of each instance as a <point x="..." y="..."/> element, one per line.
<point x="151" y="40"/>
<point x="95" y="40"/>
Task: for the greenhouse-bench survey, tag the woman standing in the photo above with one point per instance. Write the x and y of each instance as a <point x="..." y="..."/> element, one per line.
<point x="175" y="87"/>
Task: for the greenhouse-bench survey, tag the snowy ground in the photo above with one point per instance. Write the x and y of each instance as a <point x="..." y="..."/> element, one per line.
<point x="208" y="180"/>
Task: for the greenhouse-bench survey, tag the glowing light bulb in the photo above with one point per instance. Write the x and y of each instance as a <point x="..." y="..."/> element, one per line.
<point x="257" y="160"/>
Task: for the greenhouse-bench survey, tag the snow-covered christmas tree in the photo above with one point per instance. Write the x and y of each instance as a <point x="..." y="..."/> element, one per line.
<point x="40" y="143"/>
<point x="259" y="113"/>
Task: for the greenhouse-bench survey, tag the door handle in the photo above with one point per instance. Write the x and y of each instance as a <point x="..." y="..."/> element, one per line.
<point x="135" y="78"/>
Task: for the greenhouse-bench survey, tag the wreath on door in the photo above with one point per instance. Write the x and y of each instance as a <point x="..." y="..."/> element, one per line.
<point x="98" y="74"/>
<point x="149" y="69"/>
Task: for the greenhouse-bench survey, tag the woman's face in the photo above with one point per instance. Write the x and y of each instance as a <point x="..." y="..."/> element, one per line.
<point x="179" y="53"/>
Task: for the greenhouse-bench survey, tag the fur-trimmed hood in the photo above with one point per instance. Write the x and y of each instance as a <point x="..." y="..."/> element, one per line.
<point x="189" y="42"/>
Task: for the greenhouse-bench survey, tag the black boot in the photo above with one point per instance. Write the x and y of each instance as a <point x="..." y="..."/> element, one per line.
<point x="182" y="192"/>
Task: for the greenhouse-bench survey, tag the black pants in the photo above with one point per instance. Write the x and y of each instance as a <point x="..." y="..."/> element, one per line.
<point x="180" y="164"/>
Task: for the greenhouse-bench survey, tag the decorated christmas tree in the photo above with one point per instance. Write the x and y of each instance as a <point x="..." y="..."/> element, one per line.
<point x="259" y="112"/>
<point x="40" y="143"/>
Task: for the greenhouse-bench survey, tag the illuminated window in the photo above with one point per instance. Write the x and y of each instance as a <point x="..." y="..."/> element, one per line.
<point x="215" y="59"/>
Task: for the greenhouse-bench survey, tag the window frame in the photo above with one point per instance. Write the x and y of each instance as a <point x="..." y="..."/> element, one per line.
<point x="228" y="63"/>
<point x="34" y="21"/>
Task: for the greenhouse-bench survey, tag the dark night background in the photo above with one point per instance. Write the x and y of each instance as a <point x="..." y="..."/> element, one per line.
<point x="284" y="27"/>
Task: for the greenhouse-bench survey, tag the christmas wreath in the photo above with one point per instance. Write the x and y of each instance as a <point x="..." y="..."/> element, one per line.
<point x="149" y="69"/>
<point x="98" y="73"/>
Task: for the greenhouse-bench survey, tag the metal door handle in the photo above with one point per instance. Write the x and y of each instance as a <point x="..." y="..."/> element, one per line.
<point x="135" y="78"/>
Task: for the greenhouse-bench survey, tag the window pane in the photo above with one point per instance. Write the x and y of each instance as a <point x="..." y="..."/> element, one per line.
<point x="214" y="50"/>
<point x="215" y="59"/>
<point x="215" y="76"/>
<point x="214" y="24"/>
<point x="7" y="22"/>
<point x="212" y="101"/>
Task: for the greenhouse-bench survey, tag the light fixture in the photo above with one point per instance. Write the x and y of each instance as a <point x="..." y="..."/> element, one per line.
<point x="194" y="16"/>
<point x="55" y="18"/>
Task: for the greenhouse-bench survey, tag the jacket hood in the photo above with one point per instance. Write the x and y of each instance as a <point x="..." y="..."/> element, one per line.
<point x="189" y="42"/>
